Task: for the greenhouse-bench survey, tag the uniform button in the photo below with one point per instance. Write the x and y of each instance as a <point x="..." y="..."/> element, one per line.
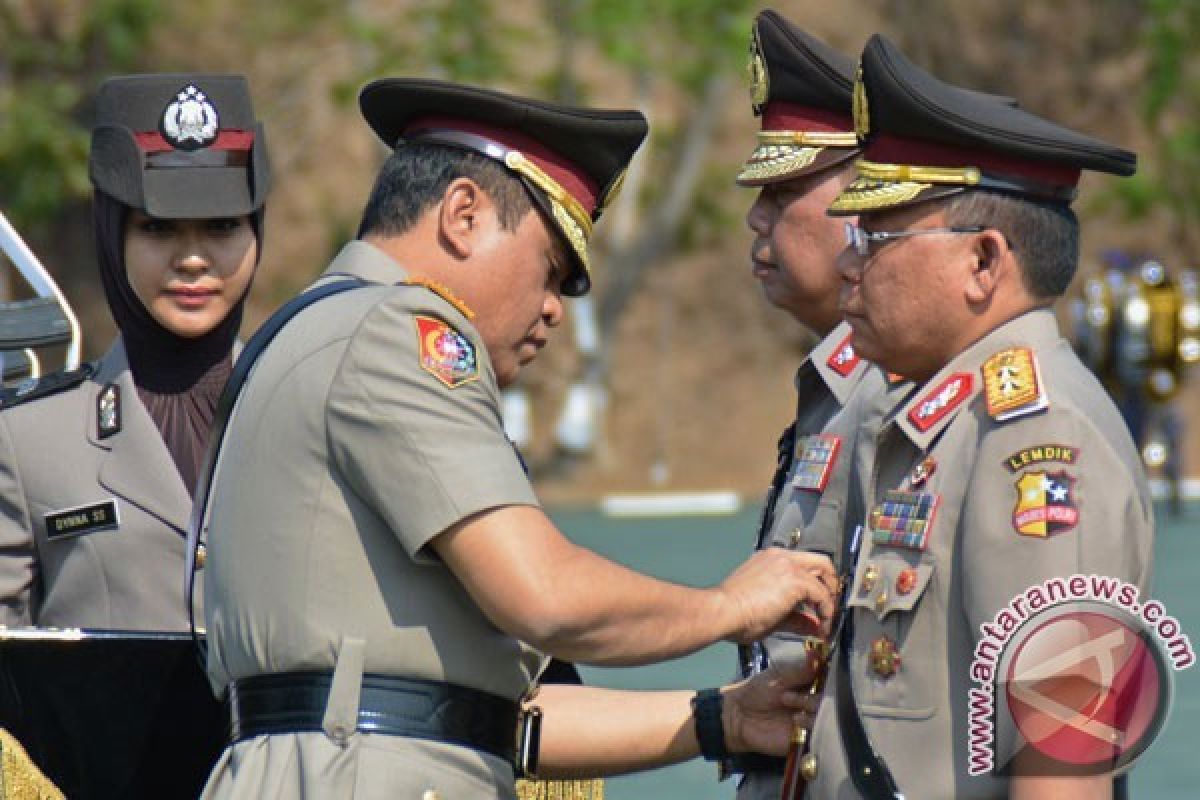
<point x="881" y="601"/>
<point x="201" y="556"/>
<point x="340" y="735"/>
<point x="796" y="538"/>
<point x="869" y="578"/>
<point x="808" y="767"/>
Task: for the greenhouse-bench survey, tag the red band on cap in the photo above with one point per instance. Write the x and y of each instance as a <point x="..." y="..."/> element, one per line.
<point x="781" y="116"/>
<point x="230" y="139"/>
<point x="569" y="176"/>
<point x="887" y="149"/>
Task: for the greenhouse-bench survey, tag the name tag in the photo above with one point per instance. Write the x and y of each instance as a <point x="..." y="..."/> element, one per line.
<point x="83" y="519"/>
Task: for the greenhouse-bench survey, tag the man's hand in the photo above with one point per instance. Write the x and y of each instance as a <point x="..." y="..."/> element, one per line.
<point x="778" y="589"/>
<point x="760" y="713"/>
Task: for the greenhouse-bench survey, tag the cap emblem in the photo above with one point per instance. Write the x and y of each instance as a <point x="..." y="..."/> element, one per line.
<point x="190" y="121"/>
<point x="862" y="117"/>
<point x="756" y="72"/>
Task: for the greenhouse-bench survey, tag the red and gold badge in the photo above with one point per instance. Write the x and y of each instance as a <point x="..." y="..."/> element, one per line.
<point x="445" y="353"/>
<point x="1045" y="503"/>
<point x="844" y="359"/>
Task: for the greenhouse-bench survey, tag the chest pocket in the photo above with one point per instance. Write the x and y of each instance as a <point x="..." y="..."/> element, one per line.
<point x="893" y="663"/>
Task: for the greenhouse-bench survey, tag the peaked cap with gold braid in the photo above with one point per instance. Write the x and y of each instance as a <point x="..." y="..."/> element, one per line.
<point x="923" y="139"/>
<point x="571" y="159"/>
<point x="802" y="89"/>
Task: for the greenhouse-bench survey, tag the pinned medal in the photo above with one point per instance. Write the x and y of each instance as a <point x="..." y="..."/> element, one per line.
<point x="815" y="457"/>
<point x="869" y="579"/>
<point x="1012" y="385"/>
<point x="844" y="359"/>
<point x="445" y="353"/>
<point x="906" y="581"/>
<point x="885" y="657"/>
<point x="108" y="411"/>
<point x="190" y="121"/>
<point x="921" y="472"/>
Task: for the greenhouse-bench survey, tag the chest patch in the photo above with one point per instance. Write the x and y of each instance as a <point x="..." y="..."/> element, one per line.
<point x="1045" y="503"/>
<point x="903" y="519"/>
<point x="82" y="519"/>
<point x="445" y="353"/>
<point x="815" y="457"/>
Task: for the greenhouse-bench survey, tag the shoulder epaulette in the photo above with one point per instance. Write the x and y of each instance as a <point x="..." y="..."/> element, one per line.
<point x="1012" y="384"/>
<point x="442" y="292"/>
<point x="46" y="385"/>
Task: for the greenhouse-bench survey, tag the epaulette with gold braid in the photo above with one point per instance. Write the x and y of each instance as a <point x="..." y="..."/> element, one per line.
<point x="443" y="292"/>
<point x="591" y="789"/>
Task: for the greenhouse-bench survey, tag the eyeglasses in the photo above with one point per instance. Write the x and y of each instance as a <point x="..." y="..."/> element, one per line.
<point x="861" y="240"/>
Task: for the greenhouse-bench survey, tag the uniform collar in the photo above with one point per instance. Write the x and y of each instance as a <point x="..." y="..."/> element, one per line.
<point x="366" y="261"/>
<point x="944" y="396"/>
<point x="835" y="361"/>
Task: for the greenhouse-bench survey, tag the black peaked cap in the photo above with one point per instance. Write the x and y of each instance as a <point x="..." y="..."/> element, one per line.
<point x="209" y="158"/>
<point x="592" y="144"/>
<point x="802" y="69"/>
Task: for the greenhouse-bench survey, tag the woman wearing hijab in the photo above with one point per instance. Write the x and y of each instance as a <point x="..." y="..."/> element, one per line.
<point x="98" y="466"/>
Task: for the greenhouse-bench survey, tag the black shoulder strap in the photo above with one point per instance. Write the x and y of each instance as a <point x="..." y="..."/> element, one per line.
<point x="241" y="370"/>
<point x="34" y="388"/>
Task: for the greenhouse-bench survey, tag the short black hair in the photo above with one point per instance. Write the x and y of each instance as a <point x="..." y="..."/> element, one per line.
<point x="1044" y="235"/>
<point x="415" y="177"/>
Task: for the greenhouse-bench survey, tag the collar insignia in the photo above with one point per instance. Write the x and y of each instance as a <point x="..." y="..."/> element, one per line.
<point x="108" y="411"/>
<point x="1011" y="384"/>
<point x="190" y="122"/>
<point x="756" y="72"/>
<point x="941" y="400"/>
<point x="445" y="353"/>
<point x="815" y="457"/>
<point x="844" y="359"/>
<point x="862" y="117"/>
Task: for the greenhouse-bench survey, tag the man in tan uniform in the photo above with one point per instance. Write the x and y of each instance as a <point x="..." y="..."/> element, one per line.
<point x="801" y="88"/>
<point x="380" y="583"/>
<point x="1008" y="467"/>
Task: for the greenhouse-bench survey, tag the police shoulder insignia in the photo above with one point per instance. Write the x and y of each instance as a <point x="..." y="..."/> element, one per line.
<point x="445" y="353"/>
<point x="443" y="292"/>
<point x="1012" y="384"/>
<point x="1040" y="454"/>
<point x="108" y="411"/>
<point x="1045" y="503"/>
<point x="941" y="400"/>
<point x="815" y="457"/>
<point x="844" y="359"/>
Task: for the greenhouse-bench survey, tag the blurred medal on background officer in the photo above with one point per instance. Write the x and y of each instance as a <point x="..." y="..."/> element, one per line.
<point x="1008" y="467"/>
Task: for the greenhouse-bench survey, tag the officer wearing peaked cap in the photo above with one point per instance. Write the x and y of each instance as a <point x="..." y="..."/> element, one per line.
<point x="96" y="467"/>
<point x="801" y="88"/>
<point x="392" y="557"/>
<point x="1008" y="467"/>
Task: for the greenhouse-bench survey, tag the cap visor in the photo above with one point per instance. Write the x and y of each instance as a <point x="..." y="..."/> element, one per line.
<point x="772" y="163"/>
<point x="197" y="192"/>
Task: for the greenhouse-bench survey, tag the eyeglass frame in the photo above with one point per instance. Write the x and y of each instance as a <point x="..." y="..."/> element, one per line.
<point x="861" y="239"/>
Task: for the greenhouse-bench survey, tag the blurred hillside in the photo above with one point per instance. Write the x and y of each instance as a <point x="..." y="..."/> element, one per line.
<point x="698" y="366"/>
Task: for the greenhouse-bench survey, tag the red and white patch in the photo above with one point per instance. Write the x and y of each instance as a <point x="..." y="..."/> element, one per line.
<point x="941" y="400"/>
<point x="844" y="359"/>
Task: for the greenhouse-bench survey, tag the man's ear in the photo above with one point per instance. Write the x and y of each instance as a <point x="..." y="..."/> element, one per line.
<point x="991" y="258"/>
<point x="460" y="216"/>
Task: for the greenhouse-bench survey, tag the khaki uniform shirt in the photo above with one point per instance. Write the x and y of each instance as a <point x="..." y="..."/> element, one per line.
<point x="348" y="451"/>
<point x="926" y="602"/>
<point x="92" y="526"/>
<point x="810" y="512"/>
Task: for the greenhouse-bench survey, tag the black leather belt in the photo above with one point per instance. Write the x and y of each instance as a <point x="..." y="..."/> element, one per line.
<point x="294" y="702"/>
